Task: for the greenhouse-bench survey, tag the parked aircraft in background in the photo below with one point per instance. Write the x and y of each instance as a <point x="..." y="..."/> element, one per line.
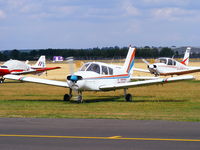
<point x="164" y="66"/>
<point x="17" y="67"/>
<point x="97" y="76"/>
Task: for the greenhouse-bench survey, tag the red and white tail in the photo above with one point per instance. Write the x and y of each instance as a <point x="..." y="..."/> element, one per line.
<point x="186" y="56"/>
<point x="41" y="63"/>
<point x="129" y="62"/>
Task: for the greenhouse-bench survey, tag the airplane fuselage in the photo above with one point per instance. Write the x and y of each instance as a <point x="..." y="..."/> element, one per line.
<point x="169" y="66"/>
<point x="92" y="81"/>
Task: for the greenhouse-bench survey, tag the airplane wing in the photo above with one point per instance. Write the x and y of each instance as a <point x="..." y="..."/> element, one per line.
<point x="37" y="80"/>
<point x="141" y="70"/>
<point x="38" y="70"/>
<point x="143" y="78"/>
<point x="146" y="82"/>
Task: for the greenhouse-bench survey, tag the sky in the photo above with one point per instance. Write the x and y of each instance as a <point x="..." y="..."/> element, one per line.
<point x="34" y="24"/>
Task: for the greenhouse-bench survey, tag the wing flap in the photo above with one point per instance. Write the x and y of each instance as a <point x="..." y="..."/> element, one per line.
<point x="37" y="80"/>
<point x="146" y="82"/>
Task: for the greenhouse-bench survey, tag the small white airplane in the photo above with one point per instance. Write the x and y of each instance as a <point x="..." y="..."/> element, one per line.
<point x="168" y="66"/>
<point x="97" y="76"/>
<point x="17" y="67"/>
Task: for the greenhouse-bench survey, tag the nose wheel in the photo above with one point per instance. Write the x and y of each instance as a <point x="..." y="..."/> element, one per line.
<point x="78" y="96"/>
<point x="80" y="99"/>
<point x="67" y="97"/>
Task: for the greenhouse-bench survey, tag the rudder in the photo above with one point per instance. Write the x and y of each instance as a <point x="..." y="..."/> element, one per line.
<point x="185" y="60"/>
<point x="41" y="63"/>
<point x="129" y="62"/>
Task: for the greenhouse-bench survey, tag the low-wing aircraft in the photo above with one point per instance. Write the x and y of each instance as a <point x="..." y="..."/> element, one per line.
<point x="97" y="76"/>
<point x="17" y="67"/>
<point x="168" y="66"/>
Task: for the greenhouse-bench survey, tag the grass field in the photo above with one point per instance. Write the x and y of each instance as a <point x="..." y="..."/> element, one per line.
<point x="175" y="101"/>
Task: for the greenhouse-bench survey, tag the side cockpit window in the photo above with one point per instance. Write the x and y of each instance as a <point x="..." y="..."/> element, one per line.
<point x="107" y="70"/>
<point x="94" y="68"/>
<point x="104" y="70"/>
<point x="174" y="63"/>
<point x="110" y="71"/>
<point x="3" y="67"/>
<point x="169" y="62"/>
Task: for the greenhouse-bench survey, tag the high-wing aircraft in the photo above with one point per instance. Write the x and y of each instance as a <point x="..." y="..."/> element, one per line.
<point x="168" y="66"/>
<point x="17" y="67"/>
<point x="97" y="76"/>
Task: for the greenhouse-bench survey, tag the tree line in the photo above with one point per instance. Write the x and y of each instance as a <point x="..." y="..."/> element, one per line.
<point x="87" y="54"/>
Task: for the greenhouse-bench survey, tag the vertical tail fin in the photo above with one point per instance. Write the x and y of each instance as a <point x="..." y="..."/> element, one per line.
<point x="129" y="62"/>
<point x="41" y="63"/>
<point x="186" y="56"/>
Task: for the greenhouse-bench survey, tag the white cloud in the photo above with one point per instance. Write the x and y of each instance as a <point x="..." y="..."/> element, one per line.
<point x="129" y="9"/>
<point x="30" y="8"/>
<point x="167" y="2"/>
<point x="64" y="10"/>
<point x="174" y="13"/>
<point x="2" y="14"/>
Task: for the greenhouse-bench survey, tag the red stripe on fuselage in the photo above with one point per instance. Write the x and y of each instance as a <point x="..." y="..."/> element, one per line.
<point x="122" y="75"/>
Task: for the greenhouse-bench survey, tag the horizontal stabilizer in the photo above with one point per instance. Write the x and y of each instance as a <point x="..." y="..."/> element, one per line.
<point x="141" y="70"/>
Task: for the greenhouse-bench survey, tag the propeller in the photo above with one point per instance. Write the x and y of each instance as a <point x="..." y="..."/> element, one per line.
<point x="152" y="67"/>
<point x="72" y="77"/>
<point x="145" y="61"/>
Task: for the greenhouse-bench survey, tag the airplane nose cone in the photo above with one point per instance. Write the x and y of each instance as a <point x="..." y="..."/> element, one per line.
<point x="152" y="66"/>
<point x="73" y="78"/>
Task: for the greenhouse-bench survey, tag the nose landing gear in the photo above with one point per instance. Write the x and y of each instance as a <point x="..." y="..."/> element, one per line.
<point x="77" y="96"/>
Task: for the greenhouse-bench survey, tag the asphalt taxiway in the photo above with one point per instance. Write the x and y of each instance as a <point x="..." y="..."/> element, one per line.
<point x="97" y="134"/>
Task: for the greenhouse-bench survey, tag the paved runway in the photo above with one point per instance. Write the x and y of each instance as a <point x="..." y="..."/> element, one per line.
<point x="97" y="134"/>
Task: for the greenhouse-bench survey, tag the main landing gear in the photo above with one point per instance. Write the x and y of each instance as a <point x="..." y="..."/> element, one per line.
<point x="2" y="80"/>
<point x="128" y="97"/>
<point x="78" y="96"/>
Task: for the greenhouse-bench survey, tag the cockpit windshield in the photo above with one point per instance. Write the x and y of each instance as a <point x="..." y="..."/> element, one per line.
<point x="84" y="67"/>
<point x="98" y="68"/>
<point x="94" y="67"/>
<point x="161" y="60"/>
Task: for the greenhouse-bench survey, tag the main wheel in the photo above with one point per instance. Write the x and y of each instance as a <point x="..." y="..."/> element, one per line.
<point x="128" y="97"/>
<point x="80" y="99"/>
<point x="66" y="97"/>
<point x="1" y="80"/>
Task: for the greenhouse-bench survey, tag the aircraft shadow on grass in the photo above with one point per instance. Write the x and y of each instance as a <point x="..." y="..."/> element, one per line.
<point x="139" y="99"/>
